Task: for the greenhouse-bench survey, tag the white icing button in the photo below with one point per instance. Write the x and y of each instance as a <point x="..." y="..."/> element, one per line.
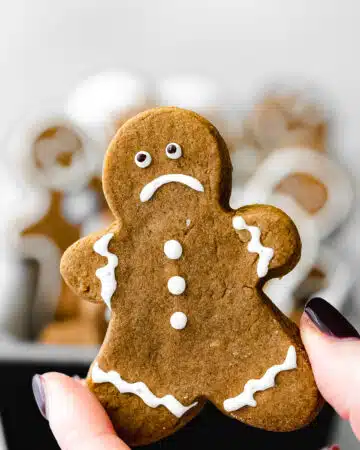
<point x="188" y="222"/>
<point x="176" y="285"/>
<point x="178" y="320"/>
<point x="173" y="249"/>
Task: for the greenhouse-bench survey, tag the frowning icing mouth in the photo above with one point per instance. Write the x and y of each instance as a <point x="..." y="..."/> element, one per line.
<point x="149" y="189"/>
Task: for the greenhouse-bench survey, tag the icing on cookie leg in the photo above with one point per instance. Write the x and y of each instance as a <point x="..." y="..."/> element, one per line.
<point x="246" y="398"/>
<point x="255" y="246"/>
<point x="106" y="274"/>
<point x="141" y="390"/>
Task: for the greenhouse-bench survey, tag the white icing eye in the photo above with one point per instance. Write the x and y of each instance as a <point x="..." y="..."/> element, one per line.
<point x="142" y="159"/>
<point x="173" y="151"/>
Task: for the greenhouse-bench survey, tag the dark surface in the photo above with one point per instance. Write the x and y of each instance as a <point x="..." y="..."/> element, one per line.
<point x="25" y="428"/>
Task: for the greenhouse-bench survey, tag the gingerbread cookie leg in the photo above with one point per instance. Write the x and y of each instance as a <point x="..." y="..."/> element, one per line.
<point x="125" y="402"/>
<point x="278" y="394"/>
<point x="277" y="378"/>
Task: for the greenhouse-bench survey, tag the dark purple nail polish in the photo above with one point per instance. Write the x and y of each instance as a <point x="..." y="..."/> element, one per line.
<point x="329" y="320"/>
<point x="39" y="393"/>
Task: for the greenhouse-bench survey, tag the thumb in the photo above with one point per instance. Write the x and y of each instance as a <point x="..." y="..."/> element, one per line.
<point x="75" y="416"/>
<point x="333" y="346"/>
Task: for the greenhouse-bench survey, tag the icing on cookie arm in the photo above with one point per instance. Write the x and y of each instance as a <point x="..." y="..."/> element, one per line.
<point x="106" y="274"/>
<point x="274" y="238"/>
<point x="88" y="267"/>
<point x="255" y="246"/>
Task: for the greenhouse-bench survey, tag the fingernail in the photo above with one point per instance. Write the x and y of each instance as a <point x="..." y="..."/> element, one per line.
<point x="329" y="320"/>
<point x="39" y="393"/>
<point x="76" y="377"/>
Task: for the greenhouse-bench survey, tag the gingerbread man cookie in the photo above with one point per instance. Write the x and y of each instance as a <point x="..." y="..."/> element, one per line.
<point x="56" y="162"/>
<point x="182" y="274"/>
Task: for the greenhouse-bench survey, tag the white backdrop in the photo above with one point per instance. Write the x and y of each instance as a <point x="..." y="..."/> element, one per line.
<point x="47" y="46"/>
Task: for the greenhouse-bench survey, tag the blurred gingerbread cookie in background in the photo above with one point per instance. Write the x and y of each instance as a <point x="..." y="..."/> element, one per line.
<point x="198" y="93"/>
<point x="284" y="138"/>
<point x="284" y="118"/>
<point x="57" y="165"/>
<point x="291" y="120"/>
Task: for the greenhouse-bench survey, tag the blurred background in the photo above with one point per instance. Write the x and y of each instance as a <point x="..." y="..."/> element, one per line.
<point x="280" y="81"/>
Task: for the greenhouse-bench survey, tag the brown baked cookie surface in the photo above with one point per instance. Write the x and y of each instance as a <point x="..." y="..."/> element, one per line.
<point x="182" y="274"/>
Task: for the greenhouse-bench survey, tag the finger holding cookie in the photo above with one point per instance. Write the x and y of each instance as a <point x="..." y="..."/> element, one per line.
<point x="76" y="418"/>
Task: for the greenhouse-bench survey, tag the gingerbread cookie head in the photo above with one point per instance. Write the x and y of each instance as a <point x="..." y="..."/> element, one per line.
<point x="160" y="147"/>
<point x="182" y="274"/>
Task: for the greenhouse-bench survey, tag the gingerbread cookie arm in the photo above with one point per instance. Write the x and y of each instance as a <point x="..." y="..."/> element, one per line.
<point x="88" y="267"/>
<point x="273" y="236"/>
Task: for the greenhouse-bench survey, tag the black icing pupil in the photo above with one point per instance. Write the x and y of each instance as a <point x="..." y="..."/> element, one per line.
<point x="171" y="149"/>
<point x="141" y="157"/>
